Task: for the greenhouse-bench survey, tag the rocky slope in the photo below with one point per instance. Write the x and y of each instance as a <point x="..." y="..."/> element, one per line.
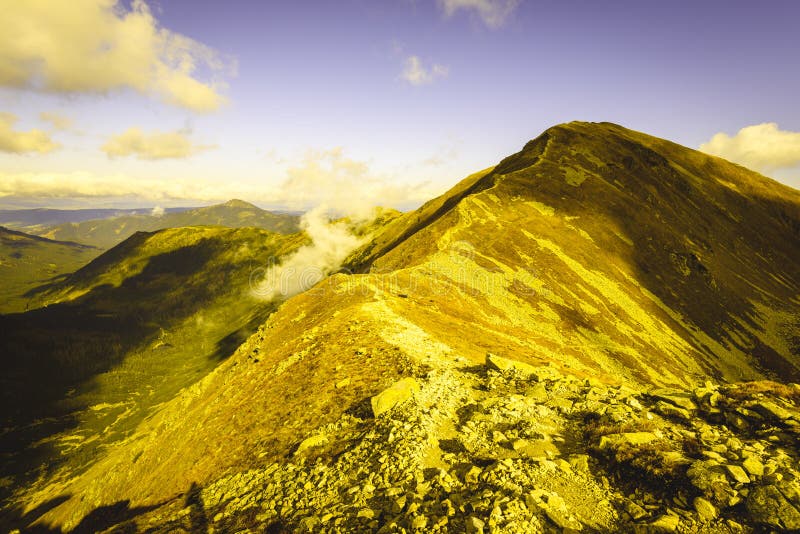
<point x="511" y="448"/>
<point x="619" y="263"/>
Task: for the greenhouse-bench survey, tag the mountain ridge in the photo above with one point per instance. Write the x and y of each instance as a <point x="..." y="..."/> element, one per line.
<point x="598" y="254"/>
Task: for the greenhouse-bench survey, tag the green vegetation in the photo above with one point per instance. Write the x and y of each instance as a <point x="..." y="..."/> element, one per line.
<point x="123" y="335"/>
<point x="28" y="262"/>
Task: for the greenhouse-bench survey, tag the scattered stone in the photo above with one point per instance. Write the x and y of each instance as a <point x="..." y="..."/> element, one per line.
<point x="665" y="523"/>
<point x="770" y="410"/>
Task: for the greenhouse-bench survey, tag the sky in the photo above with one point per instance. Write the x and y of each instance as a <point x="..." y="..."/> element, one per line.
<point x="292" y="104"/>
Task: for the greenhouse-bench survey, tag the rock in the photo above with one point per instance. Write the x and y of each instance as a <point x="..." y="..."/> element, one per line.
<point x="753" y="465"/>
<point x="670" y="410"/>
<point x="395" y="394"/>
<point x="537" y="393"/>
<point x="709" y="477"/>
<point x="665" y="523"/>
<point x="706" y="510"/>
<point x="627" y="438"/>
<point x="738" y="474"/>
<point x="505" y="365"/>
<point x="561" y="404"/>
<point x="770" y="410"/>
<point x="636" y="512"/>
<point x="676" y="397"/>
<point x="471" y="476"/>
<point x="342" y="383"/>
<point x="556" y="509"/>
<point x="419" y="522"/>
<point x="579" y="462"/>
<point x="311" y="442"/>
<point x="537" y="448"/>
<point x="768" y="506"/>
<point x="474" y="525"/>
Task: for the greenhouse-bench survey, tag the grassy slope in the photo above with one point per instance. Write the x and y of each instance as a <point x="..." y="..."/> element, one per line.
<point x="106" y="233"/>
<point x="120" y="337"/>
<point x="27" y="262"/>
<point x="603" y="250"/>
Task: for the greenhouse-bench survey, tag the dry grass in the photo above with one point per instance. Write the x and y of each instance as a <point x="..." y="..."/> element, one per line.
<point x="595" y="429"/>
<point x="749" y="390"/>
<point x="652" y="459"/>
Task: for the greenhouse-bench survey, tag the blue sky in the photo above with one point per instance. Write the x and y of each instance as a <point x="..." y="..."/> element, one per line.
<point x="405" y="96"/>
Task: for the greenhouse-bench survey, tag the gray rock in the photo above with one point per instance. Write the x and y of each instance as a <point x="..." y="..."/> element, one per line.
<point x="475" y="525"/>
<point x="768" y="506"/>
<point x="706" y="510"/>
<point x="676" y="397"/>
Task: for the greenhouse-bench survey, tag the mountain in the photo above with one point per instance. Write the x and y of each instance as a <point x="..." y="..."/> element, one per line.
<point x="107" y="232"/>
<point x="596" y="334"/>
<point x="38" y="218"/>
<point x="28" y="261"/>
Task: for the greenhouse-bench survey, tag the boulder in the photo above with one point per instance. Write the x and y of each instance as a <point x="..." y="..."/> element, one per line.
<point x="311" y="442"/>
<point x="676" y="397"/>
<point x="770" y="410"/>
<point x="753" y="466"/>
<point x="706" y="510"/>
<point x="397" y="393"/>
<point x="768" y="506"/>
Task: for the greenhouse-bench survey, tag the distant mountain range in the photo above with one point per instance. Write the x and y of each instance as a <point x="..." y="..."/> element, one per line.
<point x="37" y="218"/>
<point x="596" y="334"/>
<point x="107" y="232"/>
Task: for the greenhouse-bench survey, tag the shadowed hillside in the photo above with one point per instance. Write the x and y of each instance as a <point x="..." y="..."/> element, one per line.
<point x="27" y="262"/>
<point x="122" y="335"/>
<point x="105" y="233"/>
<point x="554" y="344"/>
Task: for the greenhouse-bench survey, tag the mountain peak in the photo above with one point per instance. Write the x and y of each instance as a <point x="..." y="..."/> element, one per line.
<point x="240" y="204"/>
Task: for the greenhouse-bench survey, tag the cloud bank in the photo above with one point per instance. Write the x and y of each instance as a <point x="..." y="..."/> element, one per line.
<point x="493" y="13"/>
<point x="152" y="146"/>
<point x="23" y="142"/>
<point x="415" y="73"/>
<point x="96" y="46"/>
<point x="762" y="147"/>
<point x="319" y="177"/>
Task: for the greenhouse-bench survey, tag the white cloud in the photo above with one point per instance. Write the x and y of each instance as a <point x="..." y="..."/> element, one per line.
<point x="23" y="142"/>
<point x="762" y="147"/>
<point x="95" y="46"/>
<point x="415" y="72"/>
<point x="331" y="243"/>
<point x="327" y="177"/>
<point x="152" y="146"/>
<point x="492" y="12"/>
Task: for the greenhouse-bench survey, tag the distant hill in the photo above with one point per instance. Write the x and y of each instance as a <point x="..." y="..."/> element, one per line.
<point x="28" y="261"/>
<point x="107" y="232"/>
<point x="38" y="218"/>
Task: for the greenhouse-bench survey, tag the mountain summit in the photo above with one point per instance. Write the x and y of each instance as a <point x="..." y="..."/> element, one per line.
<point x="554" y="343"/>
